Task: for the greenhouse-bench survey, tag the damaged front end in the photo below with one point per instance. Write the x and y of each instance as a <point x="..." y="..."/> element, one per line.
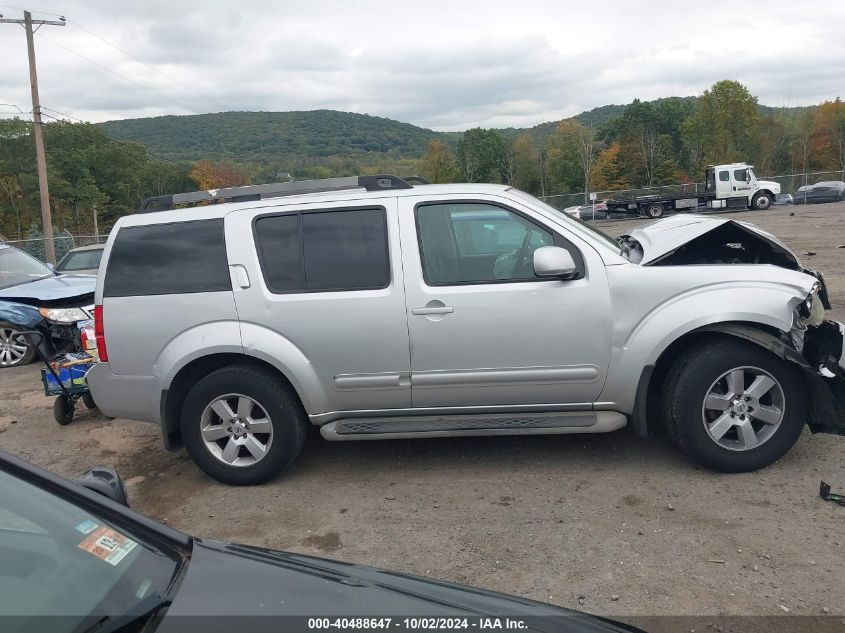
<point x="821" y="344"/>
<point x="813" y="343"/>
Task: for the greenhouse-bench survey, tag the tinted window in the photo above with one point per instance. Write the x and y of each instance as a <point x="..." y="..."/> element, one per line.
<point x="81" y="260"/>
<point x="740" y="175"/>
<point x="477" y="243"/>
<point x="278" y="246"/>
<point x="160" y="259"/>
<point x="724" y="176"/>
<point x="325" y="250"/>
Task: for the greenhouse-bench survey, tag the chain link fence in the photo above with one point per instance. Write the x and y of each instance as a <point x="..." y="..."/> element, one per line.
<point x="64" y="242"/>
<point x="789" y="183"/>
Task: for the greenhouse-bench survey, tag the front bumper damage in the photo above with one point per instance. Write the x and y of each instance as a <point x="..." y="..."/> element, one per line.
<point x="821" y="345"/>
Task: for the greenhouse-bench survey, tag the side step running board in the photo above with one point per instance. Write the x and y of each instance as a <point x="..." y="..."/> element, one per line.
<point x="478" y="424"/>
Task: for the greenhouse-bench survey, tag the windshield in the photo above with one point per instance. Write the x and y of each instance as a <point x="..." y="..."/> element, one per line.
<point x="576" y="224"/>
<point x="81" y="260"/>
<point x="57" y="559"/>
<point x="16" y="267"/>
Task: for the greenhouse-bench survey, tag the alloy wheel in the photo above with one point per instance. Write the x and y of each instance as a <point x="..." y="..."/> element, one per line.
<point x="13" y="347"/>
<point x="236" y="430"/>
<point x="743" y="408"/>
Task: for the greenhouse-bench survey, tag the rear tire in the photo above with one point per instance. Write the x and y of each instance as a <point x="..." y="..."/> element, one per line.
<point x="242" y="426"/>
<point x="655" y="210"/>
<point x="710" y="405"/>
<point x="14" y="350"/>
<point x="761" y="201"/>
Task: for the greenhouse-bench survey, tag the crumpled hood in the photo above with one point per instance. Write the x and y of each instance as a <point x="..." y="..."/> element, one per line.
<point x="225" y="582"/>
<point x="663" y="237"/>
<point x="63" y="290"/>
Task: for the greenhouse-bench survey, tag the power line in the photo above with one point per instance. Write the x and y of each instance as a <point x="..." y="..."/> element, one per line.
<point x="151" y="67"/>
<point x="114" y="72"/>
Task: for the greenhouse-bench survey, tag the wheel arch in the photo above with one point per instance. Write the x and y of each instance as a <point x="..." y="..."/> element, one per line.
<point x="173" y="398"/>
<point x="653" y="376"/>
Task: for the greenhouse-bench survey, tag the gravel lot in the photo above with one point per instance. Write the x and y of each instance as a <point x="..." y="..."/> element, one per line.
<point x="609" y="524"/>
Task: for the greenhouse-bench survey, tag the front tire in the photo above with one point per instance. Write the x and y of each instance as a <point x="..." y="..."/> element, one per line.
<point x="242" y="426"/>
<point x="14" y="350"/>
<point x="761" y="201"/>
<point x="734" y="407"/>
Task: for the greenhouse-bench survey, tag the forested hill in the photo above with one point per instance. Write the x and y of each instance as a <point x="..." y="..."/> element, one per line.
<point x="249" y="137"/>
<point x="299" y="137"/>
<point x="258" y="137"/>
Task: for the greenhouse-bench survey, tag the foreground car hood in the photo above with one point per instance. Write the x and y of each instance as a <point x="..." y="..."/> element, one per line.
<point x="664" y="237"/>
<point x="51" y="291"/>
<point x="239" y="580"/>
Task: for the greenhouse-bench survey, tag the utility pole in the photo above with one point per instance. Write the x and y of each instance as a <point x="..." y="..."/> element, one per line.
<point x="43" y="189"/>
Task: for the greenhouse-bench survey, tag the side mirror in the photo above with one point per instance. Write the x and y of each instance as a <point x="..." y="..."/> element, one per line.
<point x="105" y="481"/>
<point x="554" y="261"/>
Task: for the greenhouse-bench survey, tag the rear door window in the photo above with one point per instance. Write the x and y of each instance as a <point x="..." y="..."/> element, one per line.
<point x="160" y="259"/>
<point x="322" y="251"/>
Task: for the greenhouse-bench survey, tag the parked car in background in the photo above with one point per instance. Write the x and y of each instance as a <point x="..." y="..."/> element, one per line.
<point x="828" y="191"/>
<point x="783" y="199"/>
<point x="34" y="297"/>
<point x="588" y="211"/>
<point x="375" y="309"/>
<point x="74" y="557"/>
<point x="84" y="260"/>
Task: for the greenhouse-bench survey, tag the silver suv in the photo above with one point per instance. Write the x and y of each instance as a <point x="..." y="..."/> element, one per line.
<point x="375" y="309"/>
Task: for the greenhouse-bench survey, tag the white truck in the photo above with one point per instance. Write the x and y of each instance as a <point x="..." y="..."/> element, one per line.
<point x="732" y="186"/>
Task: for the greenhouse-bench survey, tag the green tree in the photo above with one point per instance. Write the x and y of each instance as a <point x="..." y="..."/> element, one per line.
<point x="438" y="164"/>
<point x="524" y="167"/>
<point x="725" y="125"/>
<point x="482" y="156"/>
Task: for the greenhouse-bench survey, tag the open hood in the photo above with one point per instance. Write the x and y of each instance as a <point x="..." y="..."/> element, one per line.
<point x="699" y="239"/>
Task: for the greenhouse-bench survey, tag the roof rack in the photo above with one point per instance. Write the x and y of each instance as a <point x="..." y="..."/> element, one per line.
<point x="276" y="190"/>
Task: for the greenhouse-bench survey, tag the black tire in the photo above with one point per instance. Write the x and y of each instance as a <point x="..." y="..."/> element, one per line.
<point x="282" y="406"/>
<point x="690" y="380"/>
<point x="761" y="201"/>
<point x="7" y="334"/>
<point x="62" y="410"/>
<point x="655" y="210"/>
<point x="88" y="401"/>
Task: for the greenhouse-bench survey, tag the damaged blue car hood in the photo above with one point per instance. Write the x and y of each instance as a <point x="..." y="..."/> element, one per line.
<point x="51" y="290"/>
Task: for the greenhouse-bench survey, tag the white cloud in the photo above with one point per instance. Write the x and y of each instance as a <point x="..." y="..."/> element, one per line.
<point x="444" y="65"/>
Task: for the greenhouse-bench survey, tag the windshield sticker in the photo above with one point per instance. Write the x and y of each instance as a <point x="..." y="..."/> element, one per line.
<point x="86" y="527"/>
<point x="108" y="545"/>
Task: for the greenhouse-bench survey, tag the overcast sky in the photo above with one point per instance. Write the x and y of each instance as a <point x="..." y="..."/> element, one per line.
<point x="443" y="65"/>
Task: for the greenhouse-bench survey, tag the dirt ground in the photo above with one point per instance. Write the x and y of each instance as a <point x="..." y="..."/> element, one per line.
<point x="609" y="524"/>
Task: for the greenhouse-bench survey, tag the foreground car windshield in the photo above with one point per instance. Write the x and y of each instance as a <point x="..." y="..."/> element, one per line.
<point x="19" y="268"/>
<point x="576" y="224"/>
<point x="60" y="560"/>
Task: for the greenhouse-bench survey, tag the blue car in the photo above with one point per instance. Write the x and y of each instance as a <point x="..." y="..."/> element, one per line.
<point x="34" y="297"/>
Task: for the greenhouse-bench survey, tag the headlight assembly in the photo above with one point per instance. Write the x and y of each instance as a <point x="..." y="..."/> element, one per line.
<point x="63" y="315"/>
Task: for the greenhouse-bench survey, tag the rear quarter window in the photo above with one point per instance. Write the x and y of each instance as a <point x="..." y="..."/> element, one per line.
<point x="175" y="258"/>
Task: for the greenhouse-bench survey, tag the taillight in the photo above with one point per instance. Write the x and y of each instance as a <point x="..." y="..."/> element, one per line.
<point x="100" y="334"/>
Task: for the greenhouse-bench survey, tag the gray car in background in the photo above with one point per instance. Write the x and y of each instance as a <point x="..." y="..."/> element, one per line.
<point x="375" y="309"/>
<point x="84" y="260"/>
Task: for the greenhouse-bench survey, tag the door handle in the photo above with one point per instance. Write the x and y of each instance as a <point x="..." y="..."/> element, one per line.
<point x="433" y="310"/>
